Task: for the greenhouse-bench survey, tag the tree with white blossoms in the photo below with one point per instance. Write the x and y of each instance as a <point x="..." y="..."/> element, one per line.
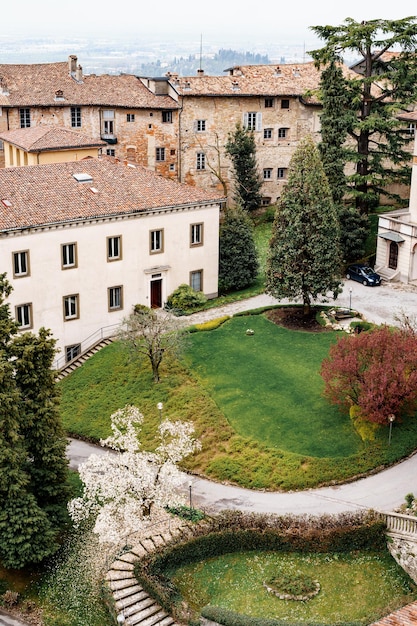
<point x="126" y="490"/>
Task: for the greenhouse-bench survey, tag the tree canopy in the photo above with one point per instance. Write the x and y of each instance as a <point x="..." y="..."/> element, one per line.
<point x="384" y="84"/>
<point x="304" y="254"/>
<point x="241" y="148"/>
<point x="238" y="259"/>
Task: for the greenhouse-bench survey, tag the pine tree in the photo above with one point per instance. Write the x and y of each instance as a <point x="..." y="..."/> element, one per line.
<point x="336" y="119"/>
<point x="303" y="259"/>
<point x="238" y="259"/>
<point x="384" y="86"/>
<point x="241" y="148"/>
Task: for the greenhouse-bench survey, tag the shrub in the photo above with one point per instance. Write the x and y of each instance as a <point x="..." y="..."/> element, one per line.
<point x="365" y="429"/>
<point x="184" y="298"/>
<point x="229" y="618"/>
<point x="212" y="324"/>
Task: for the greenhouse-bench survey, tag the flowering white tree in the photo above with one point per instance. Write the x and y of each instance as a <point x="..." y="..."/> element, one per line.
<point x="126" y="489"/>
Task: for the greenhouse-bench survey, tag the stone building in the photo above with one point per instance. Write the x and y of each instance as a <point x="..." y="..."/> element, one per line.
<point x="135" y="123"/>
<point x="82" y="242"/>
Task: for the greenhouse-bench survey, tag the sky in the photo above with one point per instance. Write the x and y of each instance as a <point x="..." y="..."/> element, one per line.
<point x="217" y="22"/>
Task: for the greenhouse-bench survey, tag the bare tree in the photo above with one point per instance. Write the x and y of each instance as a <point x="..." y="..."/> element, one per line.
<point x="214" y="165"/>
<point x="152" y="333"/>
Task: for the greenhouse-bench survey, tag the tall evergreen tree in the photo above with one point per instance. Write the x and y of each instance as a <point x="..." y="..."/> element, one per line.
<point x="303" y="259"/>
<point x="238" y="259"/>
<point x="336" y="118"/>
<point x="384" y="86"/>
<point x="33" y="467"/>
<point x="241" y="148"/>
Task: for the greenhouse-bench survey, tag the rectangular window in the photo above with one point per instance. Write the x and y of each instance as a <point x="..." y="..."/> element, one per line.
<point x="156" y="241"/>
<point x="282" y="172"/>
<point x="267" y="133"/>
<point x="196" y="234"/>
<point x="130" y="117"/>
<point x="69" y="255"/>
<point x="24" y="315"/>
<point x="282" y="133"/>
<point x="71" y="307"/>
<point x="111" y="152"/>
<point x="267" y="173"/>
<point x="196" y="280"/>
<point x="269" y="103"/>
<point x="72" y="351"/>
<point x="76" y="117"/>
<point x="114" y="248"/>
<point x="115" y="298"/>
<point x="252" y="121"/>
<point x="167" y="117"/>
<point x="285" y="103"/>
<point x="266" y="201"/>
<point x="201" y="161"/>
<point x="24" y="118"/>
<point x="200" y="126"/>
<point x="21" y="263"/>
<point x="160" y="154"/>
<point x="108" y="122"/>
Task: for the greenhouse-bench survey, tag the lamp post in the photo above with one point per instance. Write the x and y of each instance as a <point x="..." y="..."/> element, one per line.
<point x="350" y="298"/>
<point x="160" y="406"/>
<point x="190" y="486"/>
<point x="391" y="418"/>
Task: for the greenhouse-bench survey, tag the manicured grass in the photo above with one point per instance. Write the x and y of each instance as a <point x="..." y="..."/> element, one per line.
<point x="237" y="427"/>
<point x="357" y="586"/>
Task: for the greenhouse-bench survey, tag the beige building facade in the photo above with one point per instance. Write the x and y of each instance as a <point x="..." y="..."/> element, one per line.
<point x="83" y="242"/>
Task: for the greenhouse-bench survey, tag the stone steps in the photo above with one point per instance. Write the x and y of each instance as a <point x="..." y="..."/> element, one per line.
<point x="82" y="358"/>
<point x="130" y="599"/>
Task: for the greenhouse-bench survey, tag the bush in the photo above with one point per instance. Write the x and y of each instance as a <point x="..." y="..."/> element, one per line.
<point x="229" y="618"/>
<point x="184" y="298"/>
<point x="212" y="324"/>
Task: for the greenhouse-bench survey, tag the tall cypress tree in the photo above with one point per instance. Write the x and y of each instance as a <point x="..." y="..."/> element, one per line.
<point x="238" y="259"/>
<point x="241" y="148"/>
<point x="303" y="259"/>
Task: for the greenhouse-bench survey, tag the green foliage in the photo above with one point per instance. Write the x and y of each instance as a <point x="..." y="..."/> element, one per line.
<point x="212" y="324"/>
<point x="238" y="260"/>
<point x="295" y="584"/>
<point x="187" y="513"/>
<point x="185" y="299"/>
<point x="301" y="264"/>
<point x="372" y="100"/>
<point x="354" y="229"/>
<point x="229" y="618"/>
<point x="365" y="429"/>
<point x="241" y="148"/>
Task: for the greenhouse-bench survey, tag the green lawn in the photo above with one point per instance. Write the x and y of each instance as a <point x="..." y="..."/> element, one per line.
<point x="357" y="586"/>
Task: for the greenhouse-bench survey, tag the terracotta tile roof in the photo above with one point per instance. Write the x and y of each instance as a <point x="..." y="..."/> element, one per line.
<point x="254" y="80"/>
<point x="43" y="138"/>
<point x="38" y="84"/>
<point x="47" y="194"/>
<point x="407" y="616"/>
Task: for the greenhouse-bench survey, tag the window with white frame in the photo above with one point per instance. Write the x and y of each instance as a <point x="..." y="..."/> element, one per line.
<point x="283" y="133"/>
<point x="24" y="118"/>
<point x="76" y="117"/>
<point x="282" y="172"/>
<point x="71" y="307"/>
<point x="156" y="241"/>
<point x="267" y="173"/>
<point x="267" y="133"/>
<point x="196" y="280"/>
<point x="167" y="117"/>
<point x="115" y="298"/>
<point x="196" y="234"/>
<point x="24" y="315"/>
<point x="114" y="248"/>
<point x="200" y="126"/>
<point x="21" y="263"/>
<point x="160" y="154"/>
<point x="130" y="117"/>
<point x="252" y="120"/>
<point x="201" y="161"/>
<point x="68" y="255"/>
<point x="108" y="122"/>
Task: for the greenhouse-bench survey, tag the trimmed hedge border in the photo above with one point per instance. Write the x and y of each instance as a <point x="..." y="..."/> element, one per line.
<point x="233" y="531"/>
<point x="229" y="618"/>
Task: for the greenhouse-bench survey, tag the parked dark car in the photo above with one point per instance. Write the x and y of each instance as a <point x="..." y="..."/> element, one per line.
<point x="363" y="274"/>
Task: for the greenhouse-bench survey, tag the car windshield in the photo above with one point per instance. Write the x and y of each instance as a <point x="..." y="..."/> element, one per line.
<point x="367" y="271"/>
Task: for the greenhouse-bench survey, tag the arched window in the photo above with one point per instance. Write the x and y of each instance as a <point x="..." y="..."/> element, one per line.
<point x="393" y="255"/>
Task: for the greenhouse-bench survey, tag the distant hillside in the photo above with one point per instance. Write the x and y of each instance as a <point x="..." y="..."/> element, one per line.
<point x="213" y="65"/>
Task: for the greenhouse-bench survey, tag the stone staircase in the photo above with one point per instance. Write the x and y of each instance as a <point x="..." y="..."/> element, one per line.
<point x="133" y="604"/>
<point x="82" y="358"/>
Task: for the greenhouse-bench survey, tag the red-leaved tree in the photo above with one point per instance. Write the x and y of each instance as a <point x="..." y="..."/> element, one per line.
<point x="375" y="370"/>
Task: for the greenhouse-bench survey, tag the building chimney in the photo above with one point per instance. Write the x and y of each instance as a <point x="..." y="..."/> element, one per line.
<point x="79" y="74"/>
<point x="200" y="72"/>
<point x="72" y="64"/>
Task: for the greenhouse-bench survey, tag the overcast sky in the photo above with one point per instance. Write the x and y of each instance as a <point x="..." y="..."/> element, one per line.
<point x="217" y="21"/>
